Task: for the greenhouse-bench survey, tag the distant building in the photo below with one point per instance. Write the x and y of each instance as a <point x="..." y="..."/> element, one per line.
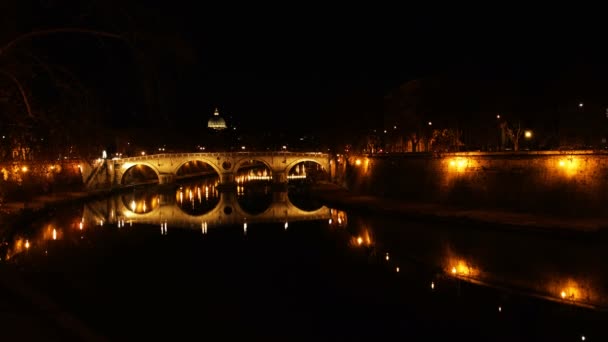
<point x="216" y="122"/>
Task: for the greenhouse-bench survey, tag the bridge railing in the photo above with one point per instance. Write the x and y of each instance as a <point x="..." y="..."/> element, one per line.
<point x="225" y="154"/>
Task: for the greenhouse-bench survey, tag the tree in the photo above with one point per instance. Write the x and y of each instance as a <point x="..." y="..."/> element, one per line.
<point x="513" y="133"/>
<point x="85" y="60"/>
<point x="445" y="140"/>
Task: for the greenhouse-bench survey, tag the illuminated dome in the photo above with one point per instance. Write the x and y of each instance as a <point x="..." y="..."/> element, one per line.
<point x="216" y="121"/>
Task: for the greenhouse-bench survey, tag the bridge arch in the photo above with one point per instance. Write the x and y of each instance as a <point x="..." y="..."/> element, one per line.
<point x="128" y="167"/>
<point x="240" y="162"/>
<point x="207" y="161"/>
<point x="323" y="163"/>
<point x="302" y="160"/>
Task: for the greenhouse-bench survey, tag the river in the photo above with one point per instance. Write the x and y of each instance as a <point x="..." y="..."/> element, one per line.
<point x="193" y="263"/>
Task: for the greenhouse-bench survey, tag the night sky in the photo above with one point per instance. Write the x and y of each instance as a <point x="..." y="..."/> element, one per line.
<point x="308" y="70"/>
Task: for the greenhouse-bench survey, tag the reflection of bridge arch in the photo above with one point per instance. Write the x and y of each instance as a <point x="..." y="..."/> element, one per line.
<point x="113" y="211"/>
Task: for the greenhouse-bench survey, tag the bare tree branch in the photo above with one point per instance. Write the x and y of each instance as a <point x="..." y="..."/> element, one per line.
<point x="21" y="90"/>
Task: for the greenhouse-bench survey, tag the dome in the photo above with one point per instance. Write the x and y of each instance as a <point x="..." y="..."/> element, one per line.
<point x="216" y="121"/>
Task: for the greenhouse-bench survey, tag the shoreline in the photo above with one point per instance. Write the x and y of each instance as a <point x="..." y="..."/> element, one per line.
<point x="334" y="195"/>
<point x="339" y="197"/>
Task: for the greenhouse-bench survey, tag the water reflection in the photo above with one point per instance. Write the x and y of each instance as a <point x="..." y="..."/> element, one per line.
<point x="485" y="259"/>
<point x="448" y="255"/>
<point x="193" y="205"/>
<point x="199" y="197"/>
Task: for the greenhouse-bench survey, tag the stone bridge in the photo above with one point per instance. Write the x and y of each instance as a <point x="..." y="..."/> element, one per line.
<point x="108" y="173"/>
<point x="227" y="212"/>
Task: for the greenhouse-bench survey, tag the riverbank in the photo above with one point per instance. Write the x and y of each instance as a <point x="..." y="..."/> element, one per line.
<point x="338" y="197"/>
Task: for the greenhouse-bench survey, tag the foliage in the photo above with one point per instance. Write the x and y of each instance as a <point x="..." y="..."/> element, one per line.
<point x="445" y="140"/>
<point x="79" y="64"/>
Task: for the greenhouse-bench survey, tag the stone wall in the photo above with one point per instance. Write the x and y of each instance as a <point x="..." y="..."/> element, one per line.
<point x="560" y="183"/>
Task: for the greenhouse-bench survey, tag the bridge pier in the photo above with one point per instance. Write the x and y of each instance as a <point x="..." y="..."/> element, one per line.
<point x="227" y="182"/>
<point x="280" y="197"/>
<point x="166" y="178"/>
<point x="279" y="181"/>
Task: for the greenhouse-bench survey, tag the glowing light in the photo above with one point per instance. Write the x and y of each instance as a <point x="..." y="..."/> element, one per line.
<point x="330" y="221"/>
<point x="498" y="116"/>
<point x="54" y="234"/>
<point x="563" y="294"/>
<point x="459" y="164"/>
<point x="397" y="269"/>
<point x="80" y="225"/>
<point x="461" y="268"/>
<point x="432" y="285"/>
<point x="359" y="240"/>
<point x="430" y="123"/>
<point x="286" y="225"/>
<point x="583" y="337"/>
<point x="27" y="244"/>
<point x="358" y="162"/>
<point x="133" y="205"/>
<point x="242" y="147"/>
<point x="104" y="154"/>
<point x="570" y="166"/>
<point x="339" y="220"/>
<point x="24" y="169"/>
<point x="580" y="105"/>
<point x="499" y="309"/>
<point x="528" y="134"/>
<point x="386" y="257"/>
<point x="143" y="153"/>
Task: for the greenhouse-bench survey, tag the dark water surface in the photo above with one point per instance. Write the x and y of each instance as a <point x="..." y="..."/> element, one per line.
<point x="256" y="265"/>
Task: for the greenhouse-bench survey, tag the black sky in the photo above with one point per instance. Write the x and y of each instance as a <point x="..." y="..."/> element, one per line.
<point x="302" y="68"/>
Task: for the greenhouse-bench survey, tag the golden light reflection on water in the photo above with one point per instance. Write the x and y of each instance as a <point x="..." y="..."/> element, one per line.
<point x="364" y="239"/>
<point x="338" y="218"/>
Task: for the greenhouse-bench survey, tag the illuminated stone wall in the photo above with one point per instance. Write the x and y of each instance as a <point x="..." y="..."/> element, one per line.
<point x="570" y="183"/>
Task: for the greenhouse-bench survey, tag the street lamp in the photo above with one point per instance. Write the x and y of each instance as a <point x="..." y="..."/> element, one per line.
<point x="528" y="134"/>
